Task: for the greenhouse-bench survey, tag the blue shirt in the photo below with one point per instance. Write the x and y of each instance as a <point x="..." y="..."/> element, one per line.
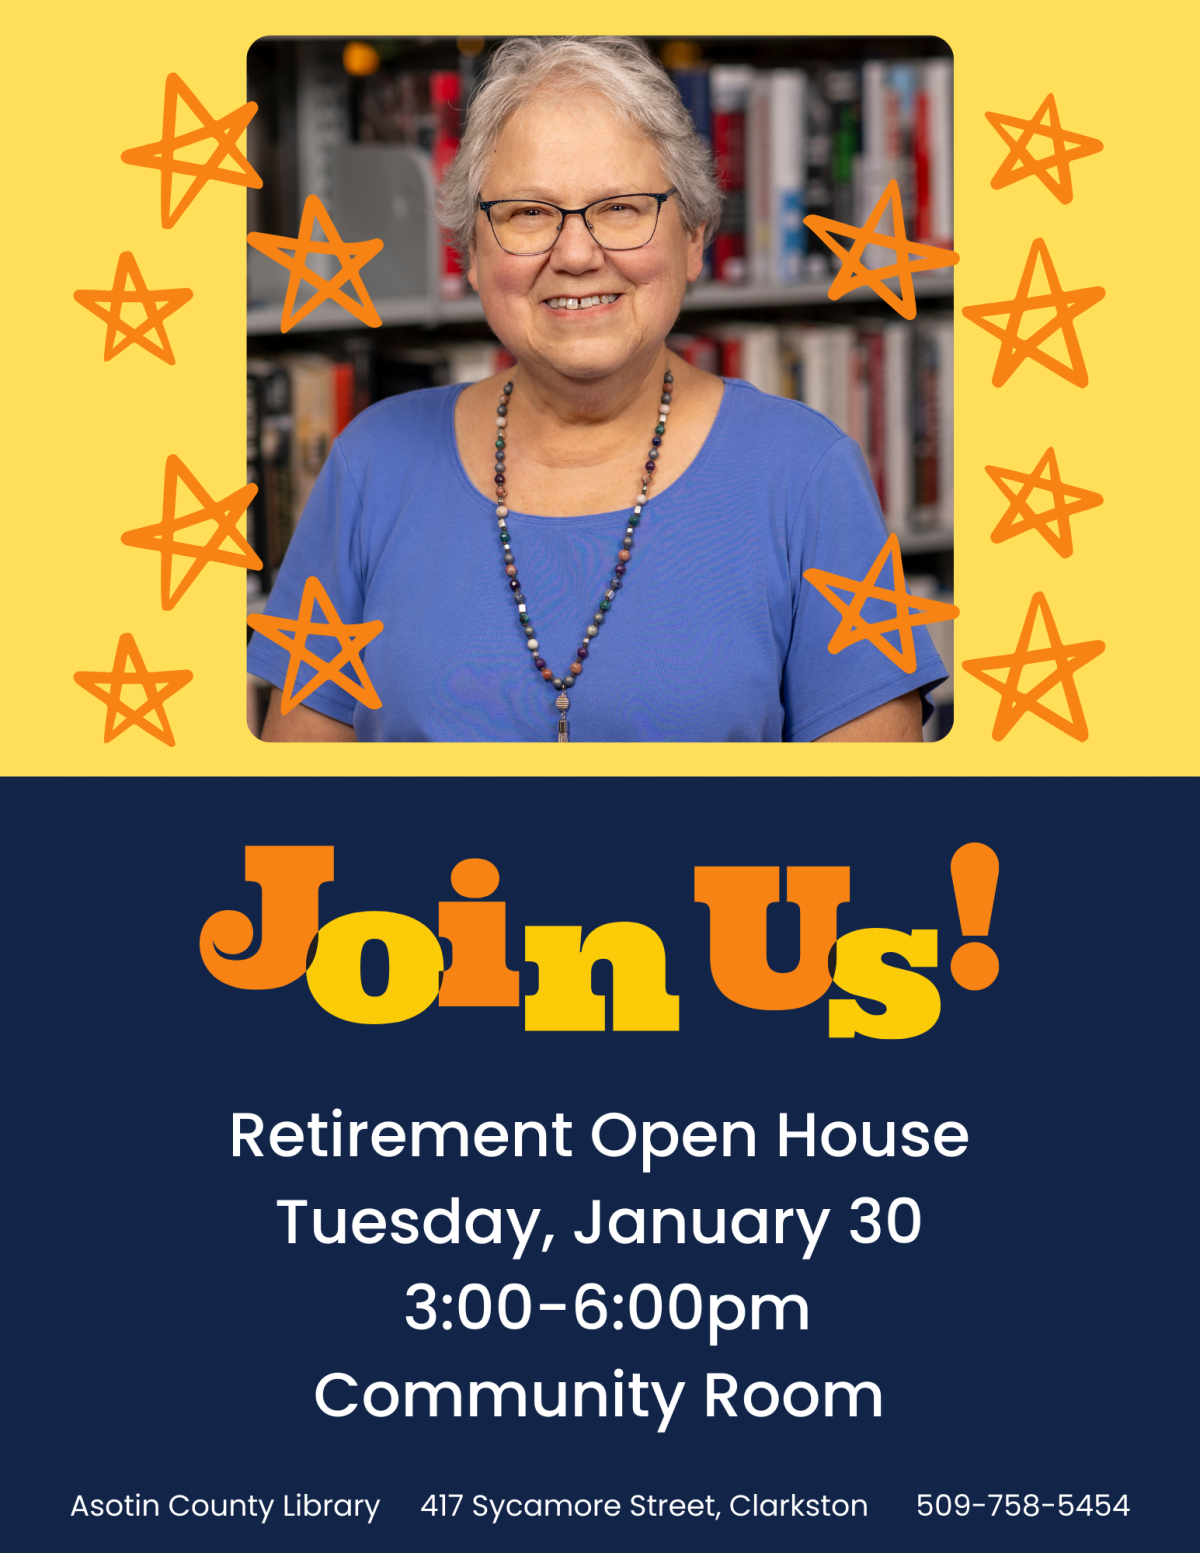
<point x="714" y="635"/>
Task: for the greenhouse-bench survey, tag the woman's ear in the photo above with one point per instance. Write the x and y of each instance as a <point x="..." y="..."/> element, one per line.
<point x="471" y="275"/>
<point x="695" y="255"/>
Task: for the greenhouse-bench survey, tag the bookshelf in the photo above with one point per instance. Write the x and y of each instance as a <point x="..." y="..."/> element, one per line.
<point x="367" y="145"/>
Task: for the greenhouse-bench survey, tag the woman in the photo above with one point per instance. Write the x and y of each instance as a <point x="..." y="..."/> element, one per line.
<point x="605" y="543"/>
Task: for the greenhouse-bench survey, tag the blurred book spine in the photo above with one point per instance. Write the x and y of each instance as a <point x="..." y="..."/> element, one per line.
<point x="445" y="95"/>
<point x="730" y="92"/>
<point x="269" y="463"/>
<point x="694" y="87"/>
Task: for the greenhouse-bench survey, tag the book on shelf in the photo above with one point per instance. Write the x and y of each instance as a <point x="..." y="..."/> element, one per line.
<point x="763" y="139"/>
<point x="698" y="350"/>
<point x="935" y="108"/>
<point x="729" y="88"/>
<point x="472" y="361"/>
<point x="787" y="163"/>
<point x="314" y="418"/>
<point x="933" y="428"/>
<point x="269" y="464"/>
<point x="695" y="88"/>
<point x="445" y="92"/>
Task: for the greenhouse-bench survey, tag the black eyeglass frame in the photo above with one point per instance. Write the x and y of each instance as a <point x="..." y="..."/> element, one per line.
<point x="486" y="207"/>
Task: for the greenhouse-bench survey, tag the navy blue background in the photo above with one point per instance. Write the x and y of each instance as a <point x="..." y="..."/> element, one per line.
<point x="168" y="1340"/>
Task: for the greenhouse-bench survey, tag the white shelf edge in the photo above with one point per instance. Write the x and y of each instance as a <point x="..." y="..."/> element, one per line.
<point x="263" y="317"/>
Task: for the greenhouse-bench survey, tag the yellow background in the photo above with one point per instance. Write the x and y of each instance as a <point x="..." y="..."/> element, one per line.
<point x="87" y="439"/>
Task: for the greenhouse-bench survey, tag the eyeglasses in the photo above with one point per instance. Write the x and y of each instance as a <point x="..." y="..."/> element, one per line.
<point x="530" y="227"/>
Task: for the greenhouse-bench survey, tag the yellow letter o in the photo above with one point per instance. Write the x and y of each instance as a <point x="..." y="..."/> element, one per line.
<point x="414" y="965"/>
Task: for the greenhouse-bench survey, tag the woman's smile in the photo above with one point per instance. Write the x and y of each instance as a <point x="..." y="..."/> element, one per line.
<point x="605" y="301"/>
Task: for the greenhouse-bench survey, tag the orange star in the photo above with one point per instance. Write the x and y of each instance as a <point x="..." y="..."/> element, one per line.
<point x="1067" y="660"/>
<point x="158" y="686"/>
<point x="224" y="513"/>
<point x="911" y="610"/>
<point x="855" y="273"/>
<point x="1067" y="306"/>
<point x="352" y="257"/>
<point x="226" y="132"/>
<point x="352" y="639"/>
<point x="158" y="305"/>
<point x="1019" y="163"/>
<point x="1020" y="517"/>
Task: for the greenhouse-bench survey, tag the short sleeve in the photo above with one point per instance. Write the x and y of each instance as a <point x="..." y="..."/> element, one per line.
<point x="839" y="528"/>
<point x="327" y="545"/>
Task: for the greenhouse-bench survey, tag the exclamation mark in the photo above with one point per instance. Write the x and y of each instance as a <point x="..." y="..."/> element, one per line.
<point x="974" y="869"/>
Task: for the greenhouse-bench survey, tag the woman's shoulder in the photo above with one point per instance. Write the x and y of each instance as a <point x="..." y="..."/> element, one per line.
<point x="398" y="425"/>
<point x="793" y="427"/>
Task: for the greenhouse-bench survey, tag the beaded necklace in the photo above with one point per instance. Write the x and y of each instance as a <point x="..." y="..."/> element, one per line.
<point x="563" y="684"/>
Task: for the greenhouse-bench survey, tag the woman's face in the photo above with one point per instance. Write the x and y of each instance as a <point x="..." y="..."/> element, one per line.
<point x="571" y="153"/>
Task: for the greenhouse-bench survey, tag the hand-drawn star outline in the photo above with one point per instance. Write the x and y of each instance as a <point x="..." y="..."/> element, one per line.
<point x="225" y="513"/>
<point x="1067" y="659"/>
<point x="1067" y="306"/>
<point x="1020" y="161"/>
<point x="1068" y="501"/>
<point x="159" y="305"/>
<point x="292" y="252"/>
<point x="159" y="154"/>
<point x="157" y="684"/>
<point x="911" y="609"/>
<point x="352" y="640"/>
<point x="854" y="273"/>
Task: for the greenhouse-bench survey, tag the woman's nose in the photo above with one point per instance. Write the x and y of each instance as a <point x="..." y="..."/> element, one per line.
<point x="575" y="245"/>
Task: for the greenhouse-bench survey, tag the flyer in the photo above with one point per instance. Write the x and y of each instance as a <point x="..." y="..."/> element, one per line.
<point x="621" y="1133"/>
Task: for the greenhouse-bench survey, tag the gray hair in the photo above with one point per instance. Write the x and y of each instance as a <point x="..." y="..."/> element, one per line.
<point x="629" y="81"/>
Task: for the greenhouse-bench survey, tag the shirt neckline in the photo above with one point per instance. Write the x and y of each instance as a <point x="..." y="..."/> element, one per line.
<point x="702" y="455"/>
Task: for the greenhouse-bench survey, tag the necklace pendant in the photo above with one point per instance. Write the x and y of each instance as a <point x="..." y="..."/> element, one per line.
<point x="563" y="736"/>
<point x="562" y="703"/>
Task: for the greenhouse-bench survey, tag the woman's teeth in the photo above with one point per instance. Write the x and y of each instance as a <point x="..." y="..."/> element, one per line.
<point x="577" y="302"/>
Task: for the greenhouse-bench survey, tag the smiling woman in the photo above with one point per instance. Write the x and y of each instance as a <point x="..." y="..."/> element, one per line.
<point x="605" y="543"/>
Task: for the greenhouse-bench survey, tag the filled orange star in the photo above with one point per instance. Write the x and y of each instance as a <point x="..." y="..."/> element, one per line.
<point x="854" y="273"/>
<point x="1067" y="306"/>
<point x="292" y="636"/>
<point x="157" y="305"/>
<point x="157" y="685"/>
<point x="1067" y="659"/>
<point x="292" y="252"/>
<point x="160" y="154"/>
<point x="1020" y="161"/>
<point x="1068" y="501"/>
<point x="911" y="610"/>
<point x="225" y="513"/>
